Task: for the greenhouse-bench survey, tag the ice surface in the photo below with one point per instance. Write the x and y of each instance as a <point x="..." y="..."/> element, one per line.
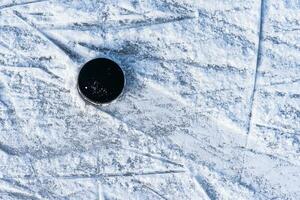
<point x="211" y="109"/>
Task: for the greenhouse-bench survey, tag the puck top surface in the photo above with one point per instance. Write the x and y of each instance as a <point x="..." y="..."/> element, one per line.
<point x="101" y="81"/>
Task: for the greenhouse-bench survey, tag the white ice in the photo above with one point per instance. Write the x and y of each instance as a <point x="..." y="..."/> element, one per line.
<point x="211" y="108"/>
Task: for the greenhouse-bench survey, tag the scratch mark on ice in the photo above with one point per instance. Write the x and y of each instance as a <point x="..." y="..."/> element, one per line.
<point x="64" y="48"/>
<point x="10" y="5"/>
<point x="258" y="63"/>
<point x="151" y="189"/>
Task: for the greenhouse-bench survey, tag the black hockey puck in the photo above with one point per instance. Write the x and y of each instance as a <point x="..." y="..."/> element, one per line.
<point x="101" y="81"/>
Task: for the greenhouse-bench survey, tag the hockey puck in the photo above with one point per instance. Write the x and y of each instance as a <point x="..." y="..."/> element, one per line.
<point x="101" y="81"/>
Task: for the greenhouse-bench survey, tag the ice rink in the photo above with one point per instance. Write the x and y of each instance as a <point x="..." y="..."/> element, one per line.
<point x="210" y="110"/>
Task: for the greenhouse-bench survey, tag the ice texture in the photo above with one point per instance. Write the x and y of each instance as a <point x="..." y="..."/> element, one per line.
<point x="211" y="107"/>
